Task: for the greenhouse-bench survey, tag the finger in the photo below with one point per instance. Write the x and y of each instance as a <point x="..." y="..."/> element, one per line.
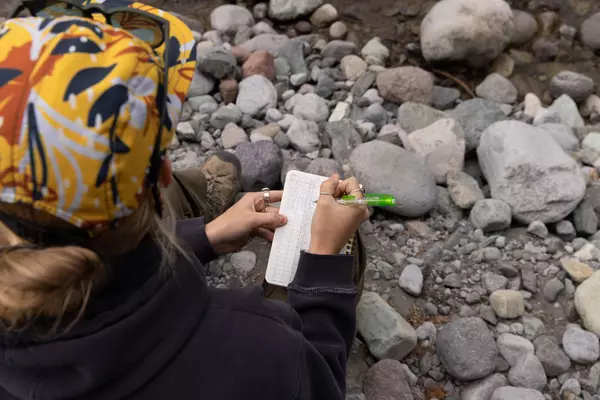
<point x="268" y="220"/>
<point x="271" y="209"/>
<point x="329" y="186"/>
<point x="259" y="198"/>
<point x="265" y="234"/>
<point x="350" y="187"/>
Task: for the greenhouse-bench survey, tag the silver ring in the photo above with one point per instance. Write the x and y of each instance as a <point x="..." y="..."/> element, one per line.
<point x="266" y="197"/>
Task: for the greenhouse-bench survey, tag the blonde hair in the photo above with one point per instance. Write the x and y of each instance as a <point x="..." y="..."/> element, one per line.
<point x="52" y="282"/>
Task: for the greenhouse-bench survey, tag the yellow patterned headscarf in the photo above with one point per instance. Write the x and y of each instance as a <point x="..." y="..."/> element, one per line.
<point x="79" y="112"/>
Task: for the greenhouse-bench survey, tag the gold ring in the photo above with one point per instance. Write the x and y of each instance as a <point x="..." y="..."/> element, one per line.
<point x="266" y="197"/>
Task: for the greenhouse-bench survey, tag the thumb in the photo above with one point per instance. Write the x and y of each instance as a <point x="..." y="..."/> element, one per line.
<point x="330" y="185"/>
<point x="268" y="220"/>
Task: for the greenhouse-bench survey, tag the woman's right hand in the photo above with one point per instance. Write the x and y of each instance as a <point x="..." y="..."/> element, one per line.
<point x="334" y="224"/>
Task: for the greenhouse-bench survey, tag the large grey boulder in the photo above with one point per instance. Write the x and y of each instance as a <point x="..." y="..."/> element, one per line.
<point x="386" y="168"/>
<point x="527" y="169"/>
<point x="229" y="18"/>
<point x="475" y="116"/>
<point x="471" y="30"/>
<point x="285" y="10"/>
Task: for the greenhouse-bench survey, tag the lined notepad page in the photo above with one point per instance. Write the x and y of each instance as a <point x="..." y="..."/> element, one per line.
<point x="297" y="203"/>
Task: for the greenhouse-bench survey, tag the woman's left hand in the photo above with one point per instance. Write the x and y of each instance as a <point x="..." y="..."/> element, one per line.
<point x="246" y="219"/>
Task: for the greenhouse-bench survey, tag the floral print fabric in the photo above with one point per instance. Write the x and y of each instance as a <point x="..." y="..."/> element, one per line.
<point x="79" y="112"/>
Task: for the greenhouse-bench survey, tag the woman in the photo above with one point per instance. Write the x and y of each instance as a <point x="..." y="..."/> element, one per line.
<point x="100" y="298"/>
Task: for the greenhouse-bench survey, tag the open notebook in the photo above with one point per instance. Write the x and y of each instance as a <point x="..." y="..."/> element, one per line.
<point x="299" y="193"/>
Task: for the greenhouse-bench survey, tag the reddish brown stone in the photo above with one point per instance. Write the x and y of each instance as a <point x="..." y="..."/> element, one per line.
<point x="229" y="90"/>
<point x="241" y="54"/>
<point x="260" y="63"/>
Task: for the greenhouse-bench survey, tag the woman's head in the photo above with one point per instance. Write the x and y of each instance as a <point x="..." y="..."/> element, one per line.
<point x="79" y="123"/>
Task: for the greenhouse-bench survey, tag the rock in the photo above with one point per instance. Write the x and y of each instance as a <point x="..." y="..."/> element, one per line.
<point x="552" y="289"/>
<point x="463" y="189"/>
<point x="581" y="346"/>
<point x="483" y="390"/>
<point x="402" y="84"/>
<point x="467" y="349"/>
<point x="513" y="393"/>
<point x="587" y="301"/>
<point x="565" y="230"/>
<point x="513" y="347"/>
<point x="376" y="114"/>
<point x="260" y="63"/>
<point x="324" y="16"/>
<point x="590" y="31"/>
<point x="224" y="116"/>
<point x="286" y="10"/>
<point x="529" y="278"/>
<point x="491" y="215"/>
<point x="338" y="30"/>
<point x="229" y="90"/>
<point x="525" y="27"/>
<point x="338" y="49"/>
<point x="467" y="30"/>
<point x="533" y="105"/>
<point x="261" y="165"/>
<point x="510" y="152"/>
<point x="452" y="281"/>
<point x="496" y="87"/>
<point x="570" y="388"/>
<point x="567" y="110"/>
<point x="311" y="107"/>
<point x="343" y="138"/>
<point x="533" y="327"/>
<point x="298" y="80"/>
<point x="504" y="65"/>
<point x="577" y="86"/>
<point x="268" y="42"/>
<point x="324" y="167"/>
<point x="256" y="95"/>
<point x="577" y="270"/>
<point x="442" y="145"/>
<point x="353" y="67"/>
<point x="263" y="27"/>
<point x="304" y="136"/>
<point x="444" y="98"/>
<point x="201" y="85"/>
<point x="387" y="380"/>
<point x="243" y="261"/>
<point x="229" y="18"/>
<point x="293" y="52"/>
<point x="492" y="282"/>
<point x="553" y="359"/>
<point x="508" y="304"/>
<point x="415" y="116"/>
<point x="325" y="87"/>
<point x="528" y="372"/>
<point x="375" y="52"/>
<point x="562" y="135"/>
<point x="386" y="333"/>
<point x="218" y="62"/>
<point x="411" y="280"/>
<point x="232" y="136"/>
<point x="475" y="116"/>
<point x="376" y="164"/>
<point x="539" y="229"/>
<point x="588" y="252"/>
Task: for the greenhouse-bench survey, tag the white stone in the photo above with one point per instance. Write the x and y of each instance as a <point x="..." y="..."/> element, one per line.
<point x="256" y="95"/>
<point x="228" y="18"/>
<point x="341" y="111"/>
<point x="285" y="10"/>
<point x="533" y="105"/>
<point x="375" y="52"/>
<point x="353" y="67"/>
<point x="587" y="301"/>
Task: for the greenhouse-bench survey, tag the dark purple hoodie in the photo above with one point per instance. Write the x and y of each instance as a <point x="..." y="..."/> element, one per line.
<point x="165" y="335"/>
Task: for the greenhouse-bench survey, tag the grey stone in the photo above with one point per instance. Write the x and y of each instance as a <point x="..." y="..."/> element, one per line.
<point x="567" y="110"/>
<point x="565" y="230"/>
<point x="201" y="84"/>
<point x="411" y="280"/>
<point x="475" y="116"/>
<point x="293" y="52"/>
<point x="463" y="189"/>
<point x="376" y="114"/>
<point x="575" y="85"/>
<point x="286" y="10"/>
<point x="203" y="104"/>
<point x="525" y="29"/>
<point x="403" y="84"/>
<point x="452" y="281"/>
<point x="553" y="359"/>
<point x="232" y="136"/>
<point x="533" y="327"/>
<point x="243" y="261"/>
<point x="282" y="69"/>
<point x="507" y="269"/>
<point x="229" y="18"/>
<point x="338" y="49"/>
<point x="528" y="372"/>
<point x="218" y="62"/>
<point x="497" y="88"/>
<point x="311" y="107"/>
<point x="387" y="380"/>
<point x="415" y="116"/>
<point x="581" y="346"/>
<point x="343" y="138"/>
<point x="268" y="42"/>
<point x="590" y="31"/>
<point x="304" y="136"/>
<point x="324" y="15"/>
<point x="298" y="80"/>
<point x="510" y="152"/>
<point x="513" y="393"/>
<point x="374" y="52"/>
<point x="225" y="115"/>
<point x="261" y="165"/>
<point x="442" y="145"/>
<point x="491" y="215"/>
<point x="468" y="30"/>
<point x="513" y="347"/>
<point x="445" y="205"/>
<point x="569" y="388"/>
<point x="539" y="229"/>
<point x="256" y="95"/>
<point x="529" y="278"/>
<point x="325" y="86"/>
<point x="492" y="282"/>
<point x="483" y="390"/>
<point x="386" y="333"/>
<point x="363" y="83"/>
<point x="467" y="349"/>
<point x="427" y="331"/>
<point x="444" y="97"/>
<point x="324" y="167"/>
<point x="562" y="135"/>
<point x="552" y="289"/>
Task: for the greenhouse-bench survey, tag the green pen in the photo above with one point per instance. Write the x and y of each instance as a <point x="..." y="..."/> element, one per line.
<point x="370" y="200"/>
